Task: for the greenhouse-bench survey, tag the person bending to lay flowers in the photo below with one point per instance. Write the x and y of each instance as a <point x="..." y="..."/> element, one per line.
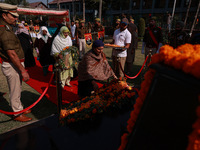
<point x="94" y="66"/>
<point x="61" y="41"/>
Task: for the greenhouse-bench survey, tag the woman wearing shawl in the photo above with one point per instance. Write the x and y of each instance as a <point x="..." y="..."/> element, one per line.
<point x="26" y="43"/>
<point x="94" y="66"/>
<point x="61" y="41"/>
<point x="43" y="46"/>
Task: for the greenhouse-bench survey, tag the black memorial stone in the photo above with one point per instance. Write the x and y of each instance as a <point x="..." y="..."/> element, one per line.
<point x="101" y="133"/>
<point x="169" y="110"/>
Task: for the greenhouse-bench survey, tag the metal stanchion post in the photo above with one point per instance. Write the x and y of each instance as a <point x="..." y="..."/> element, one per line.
<point x="58" y="88"/>
<point x="146" y="65"/>
<point x="148" y="60"/>
<point x="150" y="55"/>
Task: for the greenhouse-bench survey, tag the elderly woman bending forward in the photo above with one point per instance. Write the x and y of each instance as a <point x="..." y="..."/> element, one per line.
<point x="94" y="66"/>
<point x="61" y="41"/>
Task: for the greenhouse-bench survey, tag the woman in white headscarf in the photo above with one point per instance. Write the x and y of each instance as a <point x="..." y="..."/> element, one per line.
<point x="26" y="43"/>
<point x="43" y="46"/>
<point x="61" y="41"/>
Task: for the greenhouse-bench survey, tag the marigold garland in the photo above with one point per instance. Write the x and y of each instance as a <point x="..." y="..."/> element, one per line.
<point x="194" y="137"/>
<point x="186" y="58"/>
<point x="137" y="106"/>
<point x="115" y="94"/>
<point x="74" y="53"/>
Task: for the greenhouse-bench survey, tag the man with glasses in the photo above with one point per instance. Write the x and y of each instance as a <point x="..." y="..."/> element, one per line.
<point x="13" y="59"/>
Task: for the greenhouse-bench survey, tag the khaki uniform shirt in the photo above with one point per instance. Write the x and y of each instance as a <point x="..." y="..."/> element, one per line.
<point x="98" y="28"/>
<point x="9" y="41"/>
<point x="80" y="32"/>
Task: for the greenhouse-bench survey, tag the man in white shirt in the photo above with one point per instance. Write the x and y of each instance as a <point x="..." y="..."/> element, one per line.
<point x="73" y="29"/>
<point x="169" y="21"/>
<point x="121" y="37"/>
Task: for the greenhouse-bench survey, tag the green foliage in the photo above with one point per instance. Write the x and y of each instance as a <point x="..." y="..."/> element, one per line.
<point x="141" y="27"/>
<point x="13" y="2"/>
<point x="94" y="5"/>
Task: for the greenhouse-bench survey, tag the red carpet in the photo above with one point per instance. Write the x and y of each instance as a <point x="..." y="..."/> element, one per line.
<point x="39" y="82"/>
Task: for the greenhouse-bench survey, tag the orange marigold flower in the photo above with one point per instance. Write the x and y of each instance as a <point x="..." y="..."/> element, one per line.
<point x="123" y="141"/>
<point x="195" y="69"/>
<point x="87" y="116"/>
<point x="94" y="111"/>
<point x="180" y="61"/>
<point x="128" y="95"/>
<point x="132" y="94"/>
<point x="164" y="48"/>
<point x="185" y="48"/>
<point x="73" y="120"/>
<point x="156" y="58"/>
<point x="196" y="48"/>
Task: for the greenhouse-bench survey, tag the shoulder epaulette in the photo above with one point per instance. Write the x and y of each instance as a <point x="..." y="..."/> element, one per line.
<point x="7" y="27"/>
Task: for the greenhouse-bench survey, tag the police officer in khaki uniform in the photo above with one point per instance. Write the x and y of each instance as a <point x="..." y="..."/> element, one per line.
<point x="13" y="59"/>
<point x="98" y="27"/>
<point x="153" y="38"/>
<point x="80" y="38"/>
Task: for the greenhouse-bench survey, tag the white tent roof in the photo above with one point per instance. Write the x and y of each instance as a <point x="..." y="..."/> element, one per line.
<point x="29" y="11"/>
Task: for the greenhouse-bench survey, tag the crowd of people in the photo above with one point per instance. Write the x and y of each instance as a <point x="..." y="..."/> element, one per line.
<point x="16" y="51"/>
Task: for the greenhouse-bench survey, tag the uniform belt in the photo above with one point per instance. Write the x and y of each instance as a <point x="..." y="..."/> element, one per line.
<point x="21" y="60"/>
<point x="81" y="38"/>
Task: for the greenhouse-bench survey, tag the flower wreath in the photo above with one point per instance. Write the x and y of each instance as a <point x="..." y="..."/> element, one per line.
<point x="113" y="95"/>
<point x="74" y="53"/>
<point x="186" y="58"/>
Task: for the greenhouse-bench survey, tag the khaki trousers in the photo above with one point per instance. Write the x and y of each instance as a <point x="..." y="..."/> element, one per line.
<point x="14" y="80"/>
<point x="116" y="68"/>
<point x="82" y="47"/>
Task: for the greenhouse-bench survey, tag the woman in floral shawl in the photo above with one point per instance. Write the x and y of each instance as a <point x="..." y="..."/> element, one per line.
<point x="61" y="41"/>
<point x="94" y="66"/>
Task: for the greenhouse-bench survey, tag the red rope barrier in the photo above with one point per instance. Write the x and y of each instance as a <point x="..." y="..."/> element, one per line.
<point x="31" y="106"/>
<point x="137" y="73"/>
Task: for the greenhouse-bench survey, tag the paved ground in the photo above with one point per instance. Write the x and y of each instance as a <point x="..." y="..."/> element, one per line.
<point x="29" y="95"/>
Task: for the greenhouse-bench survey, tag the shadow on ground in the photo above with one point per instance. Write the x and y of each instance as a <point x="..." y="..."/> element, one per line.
<point x="43" y="109"/>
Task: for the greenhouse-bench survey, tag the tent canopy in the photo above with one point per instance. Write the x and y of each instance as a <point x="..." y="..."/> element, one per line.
<point x="29" y="11"/>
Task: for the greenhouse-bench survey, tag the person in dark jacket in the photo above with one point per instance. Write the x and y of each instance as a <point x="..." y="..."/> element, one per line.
<point x="26" y="43"/>
<point x="43" y="46"/>
<point x="178" y="36"/>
